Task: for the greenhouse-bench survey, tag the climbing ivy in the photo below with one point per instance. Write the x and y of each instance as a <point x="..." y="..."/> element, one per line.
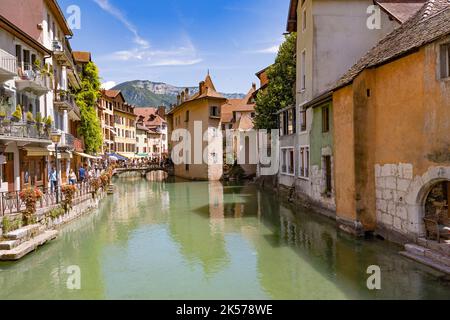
<point x="86" y="97"/>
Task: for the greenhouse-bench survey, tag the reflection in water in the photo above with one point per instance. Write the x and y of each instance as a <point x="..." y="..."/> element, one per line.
<point x="172" y="239"/>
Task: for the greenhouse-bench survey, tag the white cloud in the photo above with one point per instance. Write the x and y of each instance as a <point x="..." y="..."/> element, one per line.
<point x="108" y="85"/>
<point x="185" y="54"/>
<point x="106" y="6"/>
<point x="271" y="50"/>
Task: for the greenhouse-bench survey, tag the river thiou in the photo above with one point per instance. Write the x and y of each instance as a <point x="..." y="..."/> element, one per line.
<point x="208" y="240"/>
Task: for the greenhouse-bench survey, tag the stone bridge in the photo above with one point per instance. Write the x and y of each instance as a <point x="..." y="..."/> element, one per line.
<point x="142" y="170"/>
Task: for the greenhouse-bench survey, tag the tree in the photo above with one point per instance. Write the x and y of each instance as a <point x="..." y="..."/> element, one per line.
<point x="280" y="92"/>
<point x="86" y="98"/>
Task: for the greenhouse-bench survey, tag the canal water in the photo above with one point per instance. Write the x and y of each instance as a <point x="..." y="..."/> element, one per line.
<point x="200" y="240"/>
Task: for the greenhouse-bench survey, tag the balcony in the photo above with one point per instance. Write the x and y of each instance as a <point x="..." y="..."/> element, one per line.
<point x="67" y="142"/>
<point x="32" y="81"/>
<point x="62" y="52"/>
<point x="65" y="101"/>
<point x="23" y="131"/>
<point x="8" y="66"/>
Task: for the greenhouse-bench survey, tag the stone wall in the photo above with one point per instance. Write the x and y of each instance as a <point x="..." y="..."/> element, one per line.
<point x="392" y="184"/>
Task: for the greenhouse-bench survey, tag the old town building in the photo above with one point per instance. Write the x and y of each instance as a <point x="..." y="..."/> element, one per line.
<point x="204" y="108"/>
<point x="124" y="124"/>
<point x="391" y="124"/>
<point x="331" y="37"/>
<point x="154" y="120"/>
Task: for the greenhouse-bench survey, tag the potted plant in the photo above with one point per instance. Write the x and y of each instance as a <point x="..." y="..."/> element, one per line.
<point x="30" y="118"/>
<point x="48" y="121"/>
<point x="30" y="197"/>
<point x="37" y="66"/>
<point x="17" y="114"/>
<point x="69" y="192"/>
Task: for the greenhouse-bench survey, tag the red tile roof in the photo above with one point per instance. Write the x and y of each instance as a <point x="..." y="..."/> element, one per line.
<point x="151" y="118"/>
<point x="81" y="56"/>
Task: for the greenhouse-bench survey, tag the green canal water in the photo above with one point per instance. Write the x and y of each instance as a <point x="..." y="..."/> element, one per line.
<point x="199" y="240"/>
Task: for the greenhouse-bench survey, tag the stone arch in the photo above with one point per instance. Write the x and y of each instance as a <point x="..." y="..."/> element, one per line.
<point x="417" y="194"/>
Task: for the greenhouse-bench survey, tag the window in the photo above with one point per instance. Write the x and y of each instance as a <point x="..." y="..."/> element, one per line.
<point x="304" y="162"/>
<point x="214" y="111"/>
<point x="187" y="116"/>
<point x="445" y="61"/>
<point x="287" y="161"/>
<point x="325" y="119"/>
<point x="304" y="20"/>
<point x="303" y="71"/>
<point x="303" y="120"/>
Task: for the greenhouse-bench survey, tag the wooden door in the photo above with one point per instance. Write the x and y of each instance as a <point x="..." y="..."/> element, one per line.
<point x="8" y="173"/>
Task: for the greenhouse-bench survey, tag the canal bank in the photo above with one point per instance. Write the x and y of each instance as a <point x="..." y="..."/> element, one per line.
<point x="22" y="240"/>
<point x="201" y="240"/>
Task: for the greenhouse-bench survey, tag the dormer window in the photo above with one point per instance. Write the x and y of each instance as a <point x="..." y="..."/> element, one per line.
<point x="445" y="60"/>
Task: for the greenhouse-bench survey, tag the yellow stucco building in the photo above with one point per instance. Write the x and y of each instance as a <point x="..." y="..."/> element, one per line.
<point x="203" y="107"/>
<point x="124" y="125"/>
<point x="391" y="130"/>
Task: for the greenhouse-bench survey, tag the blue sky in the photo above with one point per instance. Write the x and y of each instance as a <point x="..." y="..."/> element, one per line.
<point x="177" y="41"/>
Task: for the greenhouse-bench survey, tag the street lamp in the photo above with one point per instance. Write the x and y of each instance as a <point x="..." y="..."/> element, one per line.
<point x="56" y="138"/>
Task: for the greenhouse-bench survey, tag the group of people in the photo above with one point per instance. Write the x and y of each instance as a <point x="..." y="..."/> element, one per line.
<point x="85" y="173"/>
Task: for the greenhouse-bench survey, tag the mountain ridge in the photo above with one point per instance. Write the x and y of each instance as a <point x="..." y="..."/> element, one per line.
<point x="146" y="93"/>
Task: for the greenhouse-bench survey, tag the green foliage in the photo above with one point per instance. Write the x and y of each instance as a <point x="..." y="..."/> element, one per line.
<point x="280" y="92"/>
<point x="56" y="212"/>
<point x="48" y="121"/>
<point x="39" y="117"/>
<point x="9" y="225"/>
<point x="86" y="99"/>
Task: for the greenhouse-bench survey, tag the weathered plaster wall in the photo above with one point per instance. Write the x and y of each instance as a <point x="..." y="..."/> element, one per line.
<point x="344" y="150"/>
<point x="401" y="127"/>
<point x="321" y="146"/>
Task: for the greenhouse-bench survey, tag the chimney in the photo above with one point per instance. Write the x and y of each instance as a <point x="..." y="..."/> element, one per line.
<point x="182" y="96"/>
<point x="162" y="112"/>
<point x="201" y="85"/>
<point x="178" y="100"/>
<point x="186" y="94"/>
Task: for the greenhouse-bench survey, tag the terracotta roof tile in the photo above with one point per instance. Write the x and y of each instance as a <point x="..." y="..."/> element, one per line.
<point x="151" y="118"/>
<point x="81" y="56"/>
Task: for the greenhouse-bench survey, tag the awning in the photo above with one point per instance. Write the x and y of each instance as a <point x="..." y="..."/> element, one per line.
<point x="117" y="156"/>
<point x="88" y="156"/>
<point x="142" y="155"/>
<point x="37" y="152"/>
